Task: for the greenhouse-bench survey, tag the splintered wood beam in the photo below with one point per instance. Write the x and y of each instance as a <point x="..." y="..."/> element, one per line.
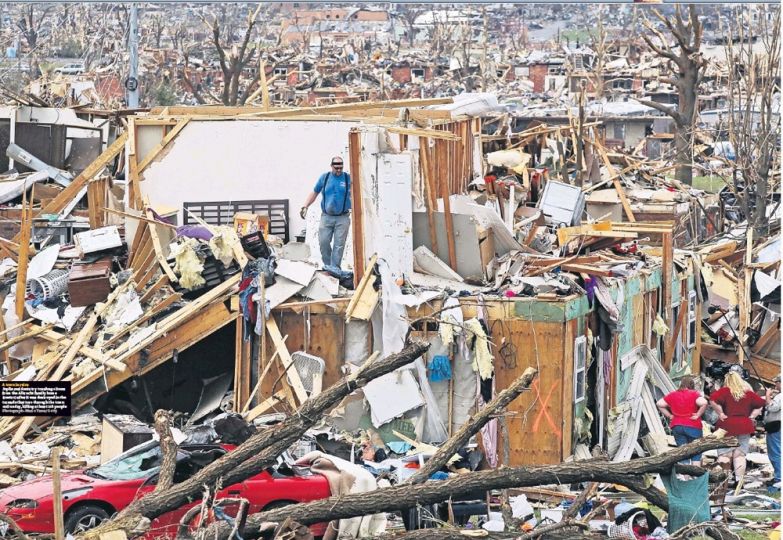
<point x="264" y="406"/>
<point x="286" y="360"/>
<point x="423" y="132"/>
<point x="445" y="194"/>
<point x="672" y="345"/>
<point x="21" y="269"/>
<point x="666" y="273"/>
<point x="430" y="197"/>
<point x="155" y="152"/>
<point x="357" y="204"/>
<point x="74" y="188"/>
<point x="152" y="312"/>
<point x="219" y="110"/>
<point x="156" y="244"/>
<point x="585" y="269"/>
<point x="154" y="351"/>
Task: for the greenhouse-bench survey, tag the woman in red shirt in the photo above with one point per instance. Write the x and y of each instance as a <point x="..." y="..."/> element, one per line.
<point x="683" y="408"/>
<point x="737" y="406"/>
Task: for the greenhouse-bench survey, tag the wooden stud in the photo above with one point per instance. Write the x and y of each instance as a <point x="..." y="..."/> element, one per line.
<point x="286" y="360"/>
<point x="671" y="346"/>
<point x="162" y="280"/>
<point x="160" y="306"/>
<point x="219" y="110"/>
<point x="57" y="494"/>
<point x="264" y="406"/>
<point x="666" y="274"/>
<point x="156" y="244"/>
<point x="430" y="197"/>
<point x="360" y="287"/>
<point x="24" y="246"/>
<point x="139" y="239"/>
<point x="262" y="375"/>
<point x="240" y="384"/>
<point x="357" y="204"/>
<point x="445" y="194"/>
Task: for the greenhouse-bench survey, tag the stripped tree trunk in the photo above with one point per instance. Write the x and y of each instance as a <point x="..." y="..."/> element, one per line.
<point x="260" y="450"/>
<point x="405" y="496"/>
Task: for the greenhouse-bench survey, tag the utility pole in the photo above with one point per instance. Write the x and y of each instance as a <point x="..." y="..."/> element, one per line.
<point x="132" y="82"/>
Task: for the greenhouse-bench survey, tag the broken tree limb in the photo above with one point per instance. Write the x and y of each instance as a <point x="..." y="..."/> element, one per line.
<point x="577" y="504"/>
<point x="405" y="496"/>
<point x="453" y="533"/>
<point x="473" y="426"/>
<point x="168" y="449"/>
<point x="638" y="485"/>
<point x="260" y="450"/>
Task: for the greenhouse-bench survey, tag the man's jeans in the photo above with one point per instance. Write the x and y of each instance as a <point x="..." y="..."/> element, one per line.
<point x="333" y="227"/>
<point x="773" y="451"/>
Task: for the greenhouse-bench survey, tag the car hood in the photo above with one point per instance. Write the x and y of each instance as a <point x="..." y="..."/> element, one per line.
<point x="41" y="488"/>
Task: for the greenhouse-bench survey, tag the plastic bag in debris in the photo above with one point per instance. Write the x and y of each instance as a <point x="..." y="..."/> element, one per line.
<point x="232" y="428"/>
<point x="188" y="265"/>
<point x="440" y="368"/>
<point x="201" y="434"/>
<point x="521" y="508"/>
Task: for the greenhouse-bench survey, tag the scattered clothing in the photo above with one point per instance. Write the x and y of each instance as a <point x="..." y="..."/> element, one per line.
<point x="345" y="477"/>
<point x="482" y="357"/>
<point x="688" y="500"/>
<point x="440" y="368"/>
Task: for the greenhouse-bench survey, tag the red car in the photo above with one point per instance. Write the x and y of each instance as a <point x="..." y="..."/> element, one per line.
<point x="93" y="495"/>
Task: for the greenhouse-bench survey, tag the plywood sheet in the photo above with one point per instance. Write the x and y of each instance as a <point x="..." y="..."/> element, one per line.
<point x="537" y="424"/>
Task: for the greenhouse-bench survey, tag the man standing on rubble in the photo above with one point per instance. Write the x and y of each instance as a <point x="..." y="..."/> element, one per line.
<point x="335" y="189"/>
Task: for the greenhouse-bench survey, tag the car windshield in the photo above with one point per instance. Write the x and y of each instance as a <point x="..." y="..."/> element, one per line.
<point x="140" y="464"/>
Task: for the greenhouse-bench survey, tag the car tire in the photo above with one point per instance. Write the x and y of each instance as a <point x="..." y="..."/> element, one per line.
<point x="85" y="518"/>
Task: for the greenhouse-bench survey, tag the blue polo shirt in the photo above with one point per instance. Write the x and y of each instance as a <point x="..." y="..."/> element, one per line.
<point x="336" y="193"/>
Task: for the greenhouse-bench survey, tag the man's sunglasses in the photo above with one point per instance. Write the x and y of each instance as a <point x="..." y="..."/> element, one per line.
<point x="337" y="164"/>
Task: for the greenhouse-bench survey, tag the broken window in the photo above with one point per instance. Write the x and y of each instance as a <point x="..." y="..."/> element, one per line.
<point x="417" y="73"/>
<point x="692" y="328"/>
<point x="281" y="71"/>
<point x="619" y="131"/>
<point x="580" y="368"/>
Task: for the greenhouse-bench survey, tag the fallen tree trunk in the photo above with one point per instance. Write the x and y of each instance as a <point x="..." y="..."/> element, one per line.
<point x="405" y="496"/>
<point x="260" y="450"/>
<point x="473" y="426"/>
<point x="168" y="449"/>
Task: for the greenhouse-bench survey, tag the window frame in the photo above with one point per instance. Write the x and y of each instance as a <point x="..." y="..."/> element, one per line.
<point x="692" y="326"/>
<point x="580" y="344"/>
